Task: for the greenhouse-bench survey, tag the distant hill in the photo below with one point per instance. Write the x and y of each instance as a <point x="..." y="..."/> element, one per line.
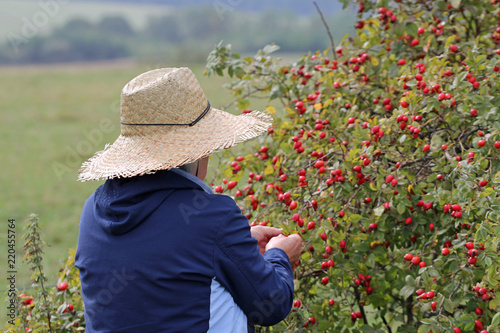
<point x="90" y="30"/>
<point x="304" y="7"/>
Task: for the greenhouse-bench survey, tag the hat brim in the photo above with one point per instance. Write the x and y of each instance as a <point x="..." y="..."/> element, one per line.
<point x="155" y="148"/>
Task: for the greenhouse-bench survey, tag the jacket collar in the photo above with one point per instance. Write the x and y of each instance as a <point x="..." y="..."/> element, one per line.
<point x="194" y="179"/>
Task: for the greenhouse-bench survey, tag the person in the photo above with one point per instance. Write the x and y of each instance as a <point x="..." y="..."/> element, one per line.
<point x="158" y="251"/>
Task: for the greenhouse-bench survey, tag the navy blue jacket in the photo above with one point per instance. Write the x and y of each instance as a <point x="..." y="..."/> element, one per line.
<point x="161" y="253"/>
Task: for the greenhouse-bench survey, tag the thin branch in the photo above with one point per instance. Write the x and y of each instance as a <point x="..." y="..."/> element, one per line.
<point x="327" y="30"/>
<point x="385" y="322"/>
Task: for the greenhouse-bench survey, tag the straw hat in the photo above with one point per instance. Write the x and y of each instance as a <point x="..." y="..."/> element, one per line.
<point x="166" y="121"/>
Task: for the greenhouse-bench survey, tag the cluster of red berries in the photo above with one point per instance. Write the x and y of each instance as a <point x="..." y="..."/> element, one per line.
<point x="27" y="300"/>
<point x="362" y="178"/>
<point x="422" y="294"/>
<point x="335" y="176"/>
<point x="386" y="102"/>
<point x="362" y="280"/>
<point x="472" y="253"/>
<point x="355" y="316"/>
<point x="356" y="62"/>
<point x="415" y="260"/>
<point x="482" y="292"/>
<point x="455" y="210"/>
<point x="386" y="15"/>
<point x="302" y="178"/>
<point x="320" y="124"/>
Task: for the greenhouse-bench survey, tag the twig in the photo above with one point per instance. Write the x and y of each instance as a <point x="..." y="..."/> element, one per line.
<point x="451" y="295"/>
<point x="327" y="30"/>
<point x="361" y="308"/>
<point x="385" y="322"/>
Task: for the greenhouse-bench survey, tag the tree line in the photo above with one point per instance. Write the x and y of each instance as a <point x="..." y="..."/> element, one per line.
<point x="187" y="35"/>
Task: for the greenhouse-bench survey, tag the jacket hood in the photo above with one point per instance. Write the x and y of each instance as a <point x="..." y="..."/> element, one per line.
<point x="121" y="204"/>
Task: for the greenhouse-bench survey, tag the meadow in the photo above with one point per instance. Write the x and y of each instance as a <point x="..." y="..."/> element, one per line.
<point x="52" y="121"/>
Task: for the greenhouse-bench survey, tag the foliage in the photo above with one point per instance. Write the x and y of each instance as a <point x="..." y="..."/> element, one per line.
<point x="47" y="309"/>
<point x="387" y="151"/>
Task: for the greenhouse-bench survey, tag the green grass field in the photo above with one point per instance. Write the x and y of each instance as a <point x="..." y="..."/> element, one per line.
<point x="46" y="115"/>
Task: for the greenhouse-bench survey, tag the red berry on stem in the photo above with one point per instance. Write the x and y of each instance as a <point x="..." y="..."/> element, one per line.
<point x="408" y="257"/>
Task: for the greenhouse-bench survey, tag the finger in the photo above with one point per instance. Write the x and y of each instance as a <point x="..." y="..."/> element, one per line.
<point x="296" y="238"/>
<point x="271" y="231"/>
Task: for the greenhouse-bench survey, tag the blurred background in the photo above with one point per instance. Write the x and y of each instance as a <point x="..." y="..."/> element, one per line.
<point x="54" y="31"/>
<point x="63" y="64"/>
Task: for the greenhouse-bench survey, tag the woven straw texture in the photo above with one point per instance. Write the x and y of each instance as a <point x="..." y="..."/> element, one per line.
<point x="165" y="96"/>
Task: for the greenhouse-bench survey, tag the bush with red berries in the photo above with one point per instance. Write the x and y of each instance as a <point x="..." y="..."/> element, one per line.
<point x="384" y="155"/>
<point x="46" y="307"/>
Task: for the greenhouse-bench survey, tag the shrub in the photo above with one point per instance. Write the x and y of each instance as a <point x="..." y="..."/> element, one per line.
<point x="385" y="157"/>
<point x="47" y="308"/>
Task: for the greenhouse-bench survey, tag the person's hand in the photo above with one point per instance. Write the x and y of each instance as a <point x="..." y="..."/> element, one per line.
<point x="292" y="245"/>
<point x="263" y="235"/>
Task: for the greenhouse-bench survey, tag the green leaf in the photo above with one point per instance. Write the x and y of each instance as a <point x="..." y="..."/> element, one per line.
<point x="410" y="281"/>
<point x="407" y="291"/>
<point x="487" y="192"/>
<point x="271" y="48"/>
<point x="424" y="328"/>
<point x="495" y="320"/>
<point x="432" y="272"/>
<point x="411" y="29"/>
<point x="455" y="3"/>
<point x="379" y="211"/>
<point x="354" y="218"/>
<point x="449" y="305"/>
<point x="269" y="170"/>
<point x="286" y="147"/>
<point x="363" y="247"/>
<point x="391" y="273"/>
<point x="401" y="208"/>
<point x="370" y="260"/>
